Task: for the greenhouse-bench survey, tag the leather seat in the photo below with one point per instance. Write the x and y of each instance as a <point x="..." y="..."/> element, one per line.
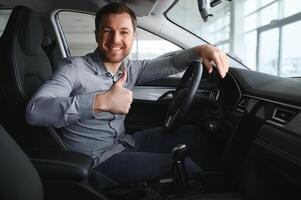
<point x="20" y="179"/>
<point x="24" y="67"/>
<point x="16" y="171"/>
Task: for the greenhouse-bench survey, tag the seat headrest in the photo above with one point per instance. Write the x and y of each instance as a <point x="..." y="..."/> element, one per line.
<point x="27" y="24"/>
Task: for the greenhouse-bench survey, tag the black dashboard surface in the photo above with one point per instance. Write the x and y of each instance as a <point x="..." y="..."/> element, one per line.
<point x="284" y="90"/>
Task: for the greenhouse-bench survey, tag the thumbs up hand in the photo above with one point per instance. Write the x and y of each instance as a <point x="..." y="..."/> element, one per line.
<point x="117" y="100"/>
<point x="122" y="79"/>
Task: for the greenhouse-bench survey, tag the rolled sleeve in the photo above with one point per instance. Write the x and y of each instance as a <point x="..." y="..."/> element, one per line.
<point x="184" y="58"/>
<point x="85" y="104"/>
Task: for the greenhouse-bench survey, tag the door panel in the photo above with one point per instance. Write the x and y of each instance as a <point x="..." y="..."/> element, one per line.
<point x="145" y="114"/>
<point x="146" y="111"/>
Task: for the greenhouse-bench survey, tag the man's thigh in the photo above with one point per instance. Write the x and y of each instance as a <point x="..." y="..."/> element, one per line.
<point x="158" y="141"/>
<point x="129" y="166"/>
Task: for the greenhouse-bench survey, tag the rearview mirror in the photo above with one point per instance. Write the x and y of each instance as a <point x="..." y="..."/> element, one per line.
<point x="203" y="8"/>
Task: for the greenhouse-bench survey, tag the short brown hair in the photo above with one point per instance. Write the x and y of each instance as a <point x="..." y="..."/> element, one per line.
<point x="115" y="8"/>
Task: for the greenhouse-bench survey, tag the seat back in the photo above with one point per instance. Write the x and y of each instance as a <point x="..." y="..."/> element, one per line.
<point x="19" y="179"/>
<point x="24" y="67"/>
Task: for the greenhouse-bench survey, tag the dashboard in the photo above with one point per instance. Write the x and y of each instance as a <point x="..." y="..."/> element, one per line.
<point x="270" y="125"/>
<point x="273" y="99"/>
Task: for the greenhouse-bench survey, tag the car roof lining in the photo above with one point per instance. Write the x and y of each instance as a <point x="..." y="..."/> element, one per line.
<point x="141" y="8"/>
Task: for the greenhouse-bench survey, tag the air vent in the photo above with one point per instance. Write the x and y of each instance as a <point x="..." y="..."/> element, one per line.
<point x="214" y="95"/>
<point x="282" y="115"/>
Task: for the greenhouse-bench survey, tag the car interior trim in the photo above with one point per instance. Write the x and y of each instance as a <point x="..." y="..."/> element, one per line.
<point x="272" y="101"/>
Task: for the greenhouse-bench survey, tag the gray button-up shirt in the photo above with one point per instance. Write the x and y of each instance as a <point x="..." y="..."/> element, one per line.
<point x="66" y="100"/>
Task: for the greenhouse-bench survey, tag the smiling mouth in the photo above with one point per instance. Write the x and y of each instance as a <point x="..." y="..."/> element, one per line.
<point x="112" y="48"/>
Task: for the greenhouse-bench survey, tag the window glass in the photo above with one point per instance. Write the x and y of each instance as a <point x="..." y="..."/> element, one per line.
<point x="249" y="31"/>
<point x="250" y="6"/>
<point x="4" y="16"/>
<point x="269" y="13"/>
<point x="148" y="45"/>
<point x="184" y="15"/>
<point x="291" y="51"/>
<point x="79" y="29"/>
<point x="250" y="22"/>
<point x="249" y="54"/>
<point x="291" y="7"/>
<point x="268" y="51"/>
<point x="215" y="30"/>
<point x="265" y="2"/>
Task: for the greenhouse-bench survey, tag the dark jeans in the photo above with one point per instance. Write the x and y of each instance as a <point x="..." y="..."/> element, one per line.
<point x="151" y="156"/>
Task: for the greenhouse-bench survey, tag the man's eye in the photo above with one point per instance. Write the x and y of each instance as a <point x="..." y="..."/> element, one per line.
<point x="124" y="32"/>
<point x="106" y="30"/>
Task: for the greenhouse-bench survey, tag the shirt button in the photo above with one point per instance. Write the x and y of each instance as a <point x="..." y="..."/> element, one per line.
<point x="108" y="74"/>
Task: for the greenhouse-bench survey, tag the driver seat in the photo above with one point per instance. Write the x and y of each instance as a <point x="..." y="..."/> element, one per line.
<point x="24" y="67"/>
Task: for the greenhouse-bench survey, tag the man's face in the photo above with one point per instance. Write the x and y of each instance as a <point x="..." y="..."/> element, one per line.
<point x="115" y="37"/>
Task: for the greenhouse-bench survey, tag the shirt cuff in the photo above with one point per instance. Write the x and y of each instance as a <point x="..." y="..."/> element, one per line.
<point x="184" y="58"/>
<point x="85" y="103"/>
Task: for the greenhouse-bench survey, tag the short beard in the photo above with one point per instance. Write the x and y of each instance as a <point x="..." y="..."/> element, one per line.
<point x="106" y="58"/>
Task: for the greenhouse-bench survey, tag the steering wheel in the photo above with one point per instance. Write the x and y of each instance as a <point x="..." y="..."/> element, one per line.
<point x="183" y="97"/>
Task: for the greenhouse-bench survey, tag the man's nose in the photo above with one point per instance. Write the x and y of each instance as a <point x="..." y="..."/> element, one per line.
<point x="116" y="37"/>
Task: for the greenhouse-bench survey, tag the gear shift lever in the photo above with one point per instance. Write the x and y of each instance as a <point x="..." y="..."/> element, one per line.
<point x="178" y="166"/>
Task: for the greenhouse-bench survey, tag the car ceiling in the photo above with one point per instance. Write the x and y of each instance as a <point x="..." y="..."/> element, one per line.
<point x="44" y="7"/>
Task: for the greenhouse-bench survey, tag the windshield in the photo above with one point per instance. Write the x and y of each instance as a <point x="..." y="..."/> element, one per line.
<point x="262" y="34"/>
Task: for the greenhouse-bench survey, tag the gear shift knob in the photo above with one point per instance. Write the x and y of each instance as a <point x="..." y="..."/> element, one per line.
<point x="179" y="170"/>
<point x="179" y="153"/>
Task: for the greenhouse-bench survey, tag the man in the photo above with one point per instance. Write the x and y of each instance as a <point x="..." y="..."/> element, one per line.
<point x="88" y="96"/>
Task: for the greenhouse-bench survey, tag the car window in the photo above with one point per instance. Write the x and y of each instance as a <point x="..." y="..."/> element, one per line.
<point x="262" y="34"/>
<point x="78" y="29"/>
<point x="148" y="45"/>
<point x="4" y="15"/>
